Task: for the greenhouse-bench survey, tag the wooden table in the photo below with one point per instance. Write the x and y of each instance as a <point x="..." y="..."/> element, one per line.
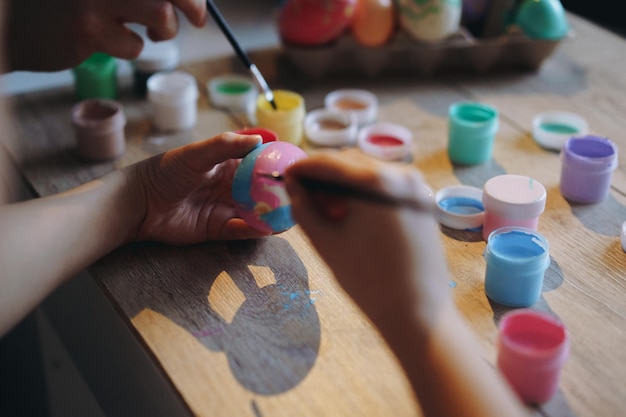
<point x="260" y="328"/>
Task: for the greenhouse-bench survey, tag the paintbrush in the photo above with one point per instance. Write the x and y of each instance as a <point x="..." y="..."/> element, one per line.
<point x="219" y="19"/>
<point x="342" y="190"/>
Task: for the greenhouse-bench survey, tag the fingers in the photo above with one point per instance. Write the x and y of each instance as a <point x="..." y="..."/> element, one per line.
<point x="120" y="42"/>
<point x="158" y="16"/>
<point x="238" y="229"/>
<point x="202" y="156"/>
<point x="194" y="10"/>
<point x="168" y="28"/>
<point x="349" y="167"/>
<point x="359" y="171"/>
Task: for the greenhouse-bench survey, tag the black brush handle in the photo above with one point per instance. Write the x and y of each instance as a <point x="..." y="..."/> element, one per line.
<point x="219" y="19"/>
<point x="347" y="191"/>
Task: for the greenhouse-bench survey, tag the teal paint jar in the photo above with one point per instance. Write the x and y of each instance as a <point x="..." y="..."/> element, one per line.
<point x="471" y="132"/>
<point x="517" y="259"/>
<point x="96" y="77"/>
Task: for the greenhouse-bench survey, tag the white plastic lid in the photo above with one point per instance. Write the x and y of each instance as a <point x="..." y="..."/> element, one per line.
<point x="172" y="87"/>
<point x="327" y="127"/>
<point x="460" y="207"/>
<point x="624" y="236"/>
<point x="233" y="91"/>
<point x="514" y="196"/>
<point x="157" y="56"/>
<point x="552" y="129"/>
<point x="388" y="141"/>
<point x="362" y="103"/>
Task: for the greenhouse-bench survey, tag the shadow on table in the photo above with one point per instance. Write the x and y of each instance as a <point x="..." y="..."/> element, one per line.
<point x="272" y="339"/>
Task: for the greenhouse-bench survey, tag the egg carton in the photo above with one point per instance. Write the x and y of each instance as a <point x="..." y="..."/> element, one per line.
<point x="459" y="51"/>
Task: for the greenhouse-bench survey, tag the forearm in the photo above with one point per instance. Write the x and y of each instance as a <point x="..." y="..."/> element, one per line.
<point x="446" y="369"/>
<point x="47" y="240"/>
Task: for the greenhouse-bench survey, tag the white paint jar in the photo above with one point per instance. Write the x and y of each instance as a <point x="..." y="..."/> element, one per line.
<point x="173" y="98"/>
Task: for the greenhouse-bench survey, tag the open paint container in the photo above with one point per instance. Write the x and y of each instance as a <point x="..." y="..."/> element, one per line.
<point x="325" y="127"/>
<point x="99" y="128"/>
<point x="388" y="141"/>
<point x="236" y="92"/>
<point x="552" y="129"/>
<point x="363" y="104"/>
<point x="460" y="207"/>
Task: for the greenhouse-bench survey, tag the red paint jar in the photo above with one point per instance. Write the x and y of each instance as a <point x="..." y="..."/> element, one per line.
<point x="386" y="141"/>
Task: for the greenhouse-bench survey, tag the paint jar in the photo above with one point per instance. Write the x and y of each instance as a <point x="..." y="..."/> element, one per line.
<point x="325" y="127"/>
<point x="532" y="349"/>
<point x="235" y="92"/>
<point x="460" y="207"/>
<point x="471" y="132"/>
<point x="552" y="129"/>
<point x="173" y="98"/>
<point x="512" y="200"/>
<point x="96" y="77"/>
<point x="155" y="57"/>
<point x="387" y="141"/>
<point x="287" y="120"/>
<point x="99" y="128"/>
<point x="362" y="103"/>
<point x="267" y="135"/>
<point x="587" y="165"/>
<point x="517" y="259"/>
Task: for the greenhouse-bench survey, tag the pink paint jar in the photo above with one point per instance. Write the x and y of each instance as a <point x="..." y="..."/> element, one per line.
<point x="512" y="200"/>
<point x="99" y="127"/>
<point x="532" y="349"/>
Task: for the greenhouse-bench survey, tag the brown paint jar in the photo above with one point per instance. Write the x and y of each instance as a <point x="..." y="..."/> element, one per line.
<point x="99" y="128"/>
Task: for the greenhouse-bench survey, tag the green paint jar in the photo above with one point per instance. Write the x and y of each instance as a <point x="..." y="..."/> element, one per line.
<point x="471" y="132"/>
<point x="96" y="77"/>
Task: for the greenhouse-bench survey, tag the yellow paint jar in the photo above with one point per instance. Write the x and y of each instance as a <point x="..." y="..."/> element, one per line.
<point x="287" y="120"/>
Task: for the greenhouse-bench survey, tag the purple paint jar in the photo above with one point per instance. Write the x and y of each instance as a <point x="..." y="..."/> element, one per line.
<point x="587" y="164"/>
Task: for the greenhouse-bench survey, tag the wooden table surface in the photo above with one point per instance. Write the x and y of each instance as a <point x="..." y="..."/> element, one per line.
<point x="260" y="328"/>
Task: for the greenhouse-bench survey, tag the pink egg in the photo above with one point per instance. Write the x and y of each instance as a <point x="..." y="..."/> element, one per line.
<point x="260" y="199"/>
<point x="315" y="22"/>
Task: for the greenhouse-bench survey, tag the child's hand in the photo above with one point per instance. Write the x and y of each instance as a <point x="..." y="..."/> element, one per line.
<point x="389" y="260"/>
<point x="184" y="195"/>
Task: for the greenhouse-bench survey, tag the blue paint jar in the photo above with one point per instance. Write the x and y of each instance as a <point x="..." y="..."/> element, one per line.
<point x="517" y="259"/>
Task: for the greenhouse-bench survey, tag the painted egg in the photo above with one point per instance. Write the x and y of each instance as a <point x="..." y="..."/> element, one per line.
<point x="315" y="22"/>
<point x="374" y="22"/>
<point x="261" y="200"/>
<point x="429" y="20"/>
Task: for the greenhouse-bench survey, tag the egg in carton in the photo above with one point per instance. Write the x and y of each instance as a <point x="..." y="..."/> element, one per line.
<point x="415" y="46"/>
<point x="459" y="51"/>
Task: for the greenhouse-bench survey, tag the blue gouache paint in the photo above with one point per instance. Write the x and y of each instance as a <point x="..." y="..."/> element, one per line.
<point x="517" y="259"/>
<point x="461" y="205"/>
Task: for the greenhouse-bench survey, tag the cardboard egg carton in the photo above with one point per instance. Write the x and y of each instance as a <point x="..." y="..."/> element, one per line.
<point x="460" y="51"/>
